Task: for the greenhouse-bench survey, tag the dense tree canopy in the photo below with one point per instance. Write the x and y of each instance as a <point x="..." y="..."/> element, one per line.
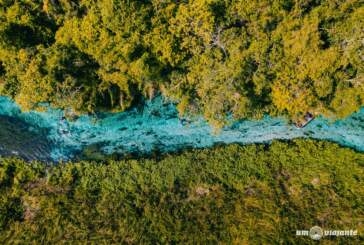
<point x="215" y="57"/>
<point x="229" y="195"/>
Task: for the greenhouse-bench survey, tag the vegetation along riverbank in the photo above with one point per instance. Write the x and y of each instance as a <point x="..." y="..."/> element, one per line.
<point x="212" y="57"/>
<point x="256" y="194"/>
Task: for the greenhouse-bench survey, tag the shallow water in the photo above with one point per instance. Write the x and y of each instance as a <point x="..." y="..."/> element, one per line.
<point x="152" y="127"/>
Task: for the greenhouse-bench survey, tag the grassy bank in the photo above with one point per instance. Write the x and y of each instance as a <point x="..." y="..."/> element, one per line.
<point x="233" y="194"/>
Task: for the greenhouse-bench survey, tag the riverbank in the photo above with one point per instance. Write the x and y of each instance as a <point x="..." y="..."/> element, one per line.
<point x="156" y="127"/>
<point x="254" y="194"/>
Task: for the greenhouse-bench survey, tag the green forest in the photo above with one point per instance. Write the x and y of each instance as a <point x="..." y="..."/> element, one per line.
<point x="256" y="194"/>
<point x="217" y="58"/>
<point x="223" y="59"/>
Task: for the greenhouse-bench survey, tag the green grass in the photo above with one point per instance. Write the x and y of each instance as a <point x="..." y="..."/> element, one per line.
<point x="232" y="194"/>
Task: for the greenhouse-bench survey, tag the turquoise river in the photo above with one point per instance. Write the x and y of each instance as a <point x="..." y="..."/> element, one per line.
<point x="152" y="127"/>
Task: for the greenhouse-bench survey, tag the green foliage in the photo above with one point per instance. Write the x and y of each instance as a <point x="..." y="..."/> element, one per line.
<point x="214" y="57"/>
<point x="228" y="195"/>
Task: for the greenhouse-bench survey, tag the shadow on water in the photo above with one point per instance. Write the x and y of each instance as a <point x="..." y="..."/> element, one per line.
<point x="151" y="129"/>
<point x="18" y="138"/>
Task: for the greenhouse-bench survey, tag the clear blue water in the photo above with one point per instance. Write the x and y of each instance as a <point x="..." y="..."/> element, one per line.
<point x="156" y="127"/>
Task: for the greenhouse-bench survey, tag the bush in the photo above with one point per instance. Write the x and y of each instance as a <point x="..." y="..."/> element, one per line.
<point x="254" y="194"/>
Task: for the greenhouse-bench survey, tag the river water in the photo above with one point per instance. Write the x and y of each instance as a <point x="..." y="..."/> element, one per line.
<point x="153" y="127"/>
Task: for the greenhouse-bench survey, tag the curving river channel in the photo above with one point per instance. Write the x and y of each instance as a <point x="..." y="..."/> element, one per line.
<point x="153" y="127"/>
